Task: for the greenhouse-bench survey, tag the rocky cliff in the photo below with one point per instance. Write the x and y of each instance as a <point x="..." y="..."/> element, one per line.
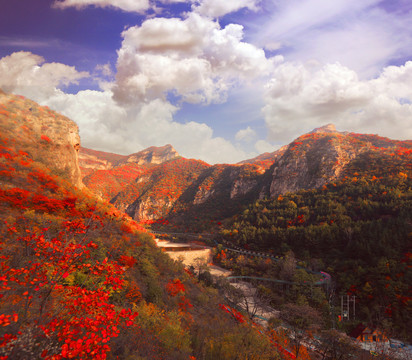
<point x="313" y="160"/>
<point x="321" y="156"/>
<point x="45" y="135"/>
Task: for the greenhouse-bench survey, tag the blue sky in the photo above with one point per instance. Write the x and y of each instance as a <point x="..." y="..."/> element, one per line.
<point x="219" y="80"/>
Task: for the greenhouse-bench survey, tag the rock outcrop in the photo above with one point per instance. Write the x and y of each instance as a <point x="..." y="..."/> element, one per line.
<point x="45" y="135"/>
<point x="313" y="160"/>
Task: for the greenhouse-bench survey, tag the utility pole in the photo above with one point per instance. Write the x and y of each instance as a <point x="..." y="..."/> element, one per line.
<point x="346" y="308"/>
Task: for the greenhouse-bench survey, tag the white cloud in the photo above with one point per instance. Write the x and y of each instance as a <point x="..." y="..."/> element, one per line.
<point x="209" y="8"/>
<point x="105" y="70"/>
<point x="103" y="123"/>
<point x="219" y="8"/>
<point x="107" y="126"/>
<point x="299" y="99"/>
<point x="263" y="146"/>
<point x="361" y="35"/>
<point x="23" y="42"/>
<point x="126" y="5"/>
<point x="246" y="135"/>
<point x="193" y="58"/>
<point x="27" y="74"/>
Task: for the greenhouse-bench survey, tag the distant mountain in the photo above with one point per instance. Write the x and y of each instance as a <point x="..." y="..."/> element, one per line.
<point x="97" y="160"/>
<point x="100" y="160"/>
<point x="321" y="156"/>
<point x="266" y="159"/>
<point x="152" y="155"/>
<point x="106" y="174"/>
<point x="157" y="184"/>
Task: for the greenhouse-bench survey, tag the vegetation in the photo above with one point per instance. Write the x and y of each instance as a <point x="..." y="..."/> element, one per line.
<point x="80" y="279"/>
<point x="358" y="229"/>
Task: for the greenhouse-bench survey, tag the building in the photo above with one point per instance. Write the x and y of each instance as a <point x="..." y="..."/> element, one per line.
<point x="368" y="334"/>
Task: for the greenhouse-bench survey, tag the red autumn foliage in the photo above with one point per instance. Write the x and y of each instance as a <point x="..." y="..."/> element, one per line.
<point x="45" y="138"/>
<point x="127" y="261"/>
<point x="175" y="287"/>
<point x="85" y="320"/>
<point x="184" y="304"/>
<point x="236" y="314"/>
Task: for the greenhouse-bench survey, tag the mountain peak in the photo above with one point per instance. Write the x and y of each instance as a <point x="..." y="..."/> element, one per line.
<point x="153" y="155"/>
<point x="324" y="129"/>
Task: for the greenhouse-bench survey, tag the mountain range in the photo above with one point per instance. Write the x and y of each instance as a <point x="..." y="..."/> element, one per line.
<point x="157" y="183"/>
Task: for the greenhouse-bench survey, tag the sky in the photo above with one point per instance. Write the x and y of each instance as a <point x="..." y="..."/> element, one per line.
<point x="220" y="80"/>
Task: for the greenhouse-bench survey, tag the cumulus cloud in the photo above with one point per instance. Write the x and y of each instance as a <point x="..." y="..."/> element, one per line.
<point x="107" y="126"/>
<point x="262" y="146"/>
<point x="103" y="123"/>
<point x="299" y="98"/>
<point x="219" y="8"/>
<point x="126" y="5"/>
<point x="28" y="74"/>
<point x="246" y="135"/>
<point x="194" y="59"/>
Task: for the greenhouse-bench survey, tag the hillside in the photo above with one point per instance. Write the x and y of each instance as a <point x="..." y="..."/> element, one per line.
<point x="182" y="196"/>
<point x="169" y="186"/>
<point x="359" y="227"/>
<point x="101" y="160"/>
<point x="85" y="280"/>
<point x="265" y="160"/>
<point x="79" y="278"/>
<point x="44" y="134"/>
<point x="320" y="157"/>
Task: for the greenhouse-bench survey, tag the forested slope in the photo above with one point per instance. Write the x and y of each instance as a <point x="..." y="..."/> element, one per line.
<point x="358" y="227"/>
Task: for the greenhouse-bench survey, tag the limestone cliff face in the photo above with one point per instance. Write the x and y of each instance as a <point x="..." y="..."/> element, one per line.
<point x="241" y="187"/>
<point x="64" y="145"/>
<point x="312" y="161"/>
<point x="46" y="136"/>
<point x="244" y="179"/>
<point x="150" y="208"/>
<point x="202" y="195"/>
